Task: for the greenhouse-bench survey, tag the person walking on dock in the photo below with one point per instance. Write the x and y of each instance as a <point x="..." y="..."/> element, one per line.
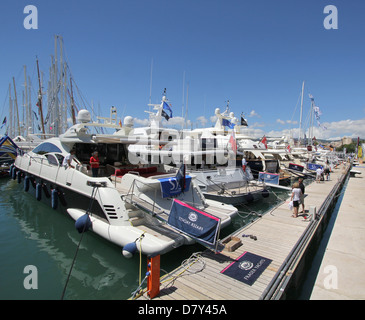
<point x="302" y="188"/>
<point x="295" y="197"/>
<point x="319" y="172"/>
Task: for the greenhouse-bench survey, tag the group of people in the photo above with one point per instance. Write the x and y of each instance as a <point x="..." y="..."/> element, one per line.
<point x="94" y="162"/>
<point x="320" y="173"/>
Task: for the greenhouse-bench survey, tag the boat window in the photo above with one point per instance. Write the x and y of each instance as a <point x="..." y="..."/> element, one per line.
<point x="46" y="147"/>
<point x="52" y="159"/>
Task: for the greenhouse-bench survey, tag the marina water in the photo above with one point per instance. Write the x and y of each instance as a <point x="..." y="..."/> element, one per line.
<point x="33" y="234"/>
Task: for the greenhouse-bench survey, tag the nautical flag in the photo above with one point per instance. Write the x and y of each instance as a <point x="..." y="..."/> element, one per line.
<point x="4" y="123"/>
<point x="264" y="141"/>
<point x="35" y="115"/>
<point x="166" y="108"/>
<point x="227" y="123"/>
<point x="288" y="148"/>
<point x="181" y="177"/>
<point x="120" y="123"/>
<point x="243" y="122"/>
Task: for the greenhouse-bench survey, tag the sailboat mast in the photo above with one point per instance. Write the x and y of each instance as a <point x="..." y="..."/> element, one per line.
<point x="40" y="101"/>
<point x="301" y="116"/>
<point x="16" y="107"/>
<point x="72" y="104"/>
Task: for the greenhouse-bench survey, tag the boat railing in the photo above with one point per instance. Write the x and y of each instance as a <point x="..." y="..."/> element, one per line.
<point x="134" y="198"/>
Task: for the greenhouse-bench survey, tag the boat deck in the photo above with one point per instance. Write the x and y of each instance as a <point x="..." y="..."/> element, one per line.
<point x="277" y="234"/>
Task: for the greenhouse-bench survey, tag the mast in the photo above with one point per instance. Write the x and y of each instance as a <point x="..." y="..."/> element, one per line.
<point x="39" y="103"/>
<point x="16" y="108"/>
<point x="11" y="131"/>
<point x="72" y="104"/>
<point x="301" y="115"/>
<point x="27" y="115"/>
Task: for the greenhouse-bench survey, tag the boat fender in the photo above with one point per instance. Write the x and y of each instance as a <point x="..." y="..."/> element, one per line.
<point x="129" y="249"/>
<point x="11" y="170"/>
<point x="61" y="196"/>
<point x="46" y="193"/>
<point x="83" y="223"/>
<point x="26" y="183"/>
<point x="265" y="193"/>
<point x="38" y="191"/>
<point x="54" y="199"/>
<point x="13" y="174"/>
<point x="32" y="181"/>
<point x="249" y="197"/>
<point x="19" y="176"/>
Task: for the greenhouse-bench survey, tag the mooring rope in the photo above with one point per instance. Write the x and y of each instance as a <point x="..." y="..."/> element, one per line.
<point x="78" y="246"/>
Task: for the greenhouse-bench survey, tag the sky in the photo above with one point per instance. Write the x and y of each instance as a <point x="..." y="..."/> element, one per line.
<point x="254" y="54"/>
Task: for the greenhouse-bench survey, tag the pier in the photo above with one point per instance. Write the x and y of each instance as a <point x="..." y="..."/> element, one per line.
<point x="280" y="242"/>
<point x="341" y="274"/>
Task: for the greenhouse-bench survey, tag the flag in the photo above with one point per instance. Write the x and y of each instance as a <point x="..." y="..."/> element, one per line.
<point x="227" y="123"/>
<point x="4" y="123"/>
<point x="288" y="148"/>
<point x="232" y="141"/>
<point x="35" y="115"/>
<point x="166" y="111"/>
<point x="264" y="141"/>
<point x="181" y="177"/>
<point x="243" y="122"/>
<point x="120" y="123"/>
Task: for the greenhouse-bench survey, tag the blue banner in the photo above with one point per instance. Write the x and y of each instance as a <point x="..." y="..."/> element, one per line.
<point x="267" y="177"/>
<point x="314" y="166"/>
<point x="172" y="187"/>
<point x="197" y="224"/>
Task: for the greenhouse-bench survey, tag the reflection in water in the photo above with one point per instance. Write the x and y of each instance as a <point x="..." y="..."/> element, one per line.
<point x="31" y="233"/>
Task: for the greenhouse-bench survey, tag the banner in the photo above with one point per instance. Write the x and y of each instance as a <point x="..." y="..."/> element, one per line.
<point x="195" y="223"/>
<point x="296" y="167"/>
<point x="313" y="166"/>
<point x="172" y="187"/>
<point x="272" y="178"/>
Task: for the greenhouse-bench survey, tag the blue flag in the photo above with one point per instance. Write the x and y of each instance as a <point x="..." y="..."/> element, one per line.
<point x="165" y="108"/>
<point x="227" y="123"/>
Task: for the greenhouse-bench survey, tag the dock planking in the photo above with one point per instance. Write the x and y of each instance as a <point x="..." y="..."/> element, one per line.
<point x="277" y="232"/>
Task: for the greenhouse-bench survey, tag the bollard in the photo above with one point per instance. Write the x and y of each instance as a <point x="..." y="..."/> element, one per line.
<point x="153" y="281"/>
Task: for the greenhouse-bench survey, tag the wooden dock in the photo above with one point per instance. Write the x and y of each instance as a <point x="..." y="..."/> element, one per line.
<point x="279" y="237"/>
<point x="341" y="274"/>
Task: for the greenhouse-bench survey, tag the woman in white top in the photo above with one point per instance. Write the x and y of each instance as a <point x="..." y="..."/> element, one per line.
<point x="295" y="197"/>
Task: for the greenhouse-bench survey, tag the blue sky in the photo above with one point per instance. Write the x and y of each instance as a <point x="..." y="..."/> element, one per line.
<point x="256" y="54"/>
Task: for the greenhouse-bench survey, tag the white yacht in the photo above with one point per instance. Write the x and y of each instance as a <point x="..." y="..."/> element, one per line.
<point x="125" y="204"/>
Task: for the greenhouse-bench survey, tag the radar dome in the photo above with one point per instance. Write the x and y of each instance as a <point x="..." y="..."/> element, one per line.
<point x="84" y="116"/>
<point x="128" y="121"/>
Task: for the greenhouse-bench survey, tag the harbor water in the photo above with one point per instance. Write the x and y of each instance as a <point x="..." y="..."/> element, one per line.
<point x="38" y="246"/>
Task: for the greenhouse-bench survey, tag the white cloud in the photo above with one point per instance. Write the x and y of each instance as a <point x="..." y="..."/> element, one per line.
<point x="202" y="121"/>
<point x="280" y="121"/>
<point x="253" y="113"/>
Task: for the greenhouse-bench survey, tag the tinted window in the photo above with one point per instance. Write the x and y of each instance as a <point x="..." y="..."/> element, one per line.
<point x="45" y="148"/>
<point x="52" y="159"/>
